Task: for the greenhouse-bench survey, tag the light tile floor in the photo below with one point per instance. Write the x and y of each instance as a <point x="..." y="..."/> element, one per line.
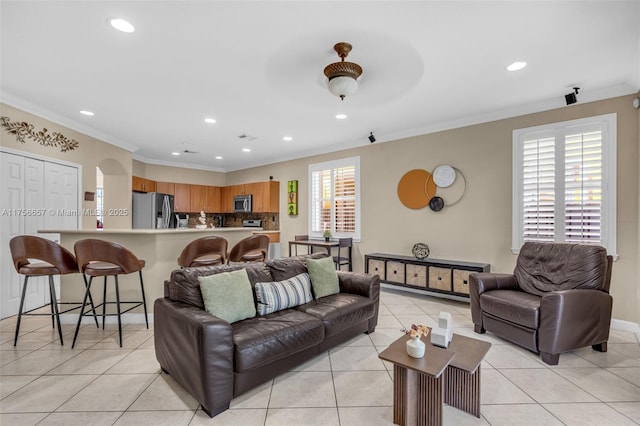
<point x="98" y="383"/>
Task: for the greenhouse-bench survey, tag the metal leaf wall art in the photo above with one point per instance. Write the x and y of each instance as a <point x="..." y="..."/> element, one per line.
<point x="23" y="130"/>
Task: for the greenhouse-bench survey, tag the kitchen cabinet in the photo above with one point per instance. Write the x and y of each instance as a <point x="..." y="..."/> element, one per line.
<point x="198" y="198"/>
<point x="226" y="199"/>
<point x="436" y="277"/>
<point x="266" y="197"/>
<point x="216" y="199"/>
<point x="213" y="199"/>
<point x="205" y="198"/>
<point x="182" y="199"/>
<point x="243" y="189"/>
<point x="166" y="188"/>
<point x="140" y="184"/>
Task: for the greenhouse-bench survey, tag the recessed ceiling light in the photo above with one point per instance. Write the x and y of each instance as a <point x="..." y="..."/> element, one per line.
<point x="341" y="116"/>
<point x="218" y="158"/>
<point x="85" y="112"/>
<point x="516" y="66"/>
<point x="121" y="25"/>
<point x="246" y="150"/>
<point x="287" y="138"/>
<point x="175" y="153"/>
<point x="209" y="120"/>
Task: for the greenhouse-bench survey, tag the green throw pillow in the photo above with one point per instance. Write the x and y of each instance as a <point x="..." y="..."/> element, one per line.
<point x="324" y="278"/>
<point x="228" y="295"/>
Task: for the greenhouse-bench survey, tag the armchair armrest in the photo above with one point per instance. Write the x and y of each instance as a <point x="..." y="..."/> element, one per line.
<point x="196" y="349"/>
<point x="486" y="281"/>
<point x="571" y="319"/>
<point x="365" y="285"/>
<point x="482" y="282"/>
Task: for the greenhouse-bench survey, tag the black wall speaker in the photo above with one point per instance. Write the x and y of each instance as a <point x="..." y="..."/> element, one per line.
<point x="570" y="98"/>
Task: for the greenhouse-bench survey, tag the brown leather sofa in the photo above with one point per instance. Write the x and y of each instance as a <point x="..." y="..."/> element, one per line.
<point x="557" y="299"/>
<point x="217" y="361"/>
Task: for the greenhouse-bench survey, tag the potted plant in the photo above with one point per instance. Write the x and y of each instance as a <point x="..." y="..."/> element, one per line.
<point x="327" y="235"/>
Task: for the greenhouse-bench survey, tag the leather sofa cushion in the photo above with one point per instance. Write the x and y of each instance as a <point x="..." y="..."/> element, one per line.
<point x="339" y="311"/>
<point x="288" y="267"/>
<point x="261" y="340"/>
<point x="511" y="305"/>
<point x="544" y="267"/>
<point x="184" y="285"/>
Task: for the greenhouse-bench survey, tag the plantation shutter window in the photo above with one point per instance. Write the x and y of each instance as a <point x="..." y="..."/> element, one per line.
<point x="583" y="186"/>
<point x="334" y="198"/>
<point x="564" y="183"/>
<point x="538" y="196"/>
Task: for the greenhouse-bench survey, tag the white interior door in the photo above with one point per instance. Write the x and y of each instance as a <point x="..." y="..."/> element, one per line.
<point x="12" y="224"/>
<point x="38" y="289"/>
<point x="61" y="195"/>
<point x="29" y="184"/>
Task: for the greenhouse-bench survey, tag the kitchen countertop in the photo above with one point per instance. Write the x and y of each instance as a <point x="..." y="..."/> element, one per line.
<point x="159" y="248"/>
<point x="145" y="231"/>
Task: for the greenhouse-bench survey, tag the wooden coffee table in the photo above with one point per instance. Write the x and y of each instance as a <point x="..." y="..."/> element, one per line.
<point x="421" y="384"/>
<point x="462" y="378"/>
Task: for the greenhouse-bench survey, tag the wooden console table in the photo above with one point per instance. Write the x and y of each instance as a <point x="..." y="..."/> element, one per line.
<point x="447" y="278"/>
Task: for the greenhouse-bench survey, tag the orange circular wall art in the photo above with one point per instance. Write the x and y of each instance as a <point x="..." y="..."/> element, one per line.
<point x="416" y="188"/>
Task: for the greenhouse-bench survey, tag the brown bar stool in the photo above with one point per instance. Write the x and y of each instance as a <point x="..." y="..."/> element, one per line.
<point x="205" y="251"/>
<point x="339" y="259"/>
<point x="252" y="249"/>
<point x="98" y="258"/>
<point x="53" y="260"/>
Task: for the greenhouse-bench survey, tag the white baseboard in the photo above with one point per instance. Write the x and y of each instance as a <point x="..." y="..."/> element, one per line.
<point x="125" y="318"/>
<point x="629" y="326"/>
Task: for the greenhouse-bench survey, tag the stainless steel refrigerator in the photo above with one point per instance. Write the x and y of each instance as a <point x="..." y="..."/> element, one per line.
<point x="152" y="210"/>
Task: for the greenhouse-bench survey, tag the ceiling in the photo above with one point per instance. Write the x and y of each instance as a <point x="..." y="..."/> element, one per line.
<point x="257" y="69"/>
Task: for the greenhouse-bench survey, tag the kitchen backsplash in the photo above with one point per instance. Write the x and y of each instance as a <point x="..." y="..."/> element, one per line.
<point x="270" y="221"/>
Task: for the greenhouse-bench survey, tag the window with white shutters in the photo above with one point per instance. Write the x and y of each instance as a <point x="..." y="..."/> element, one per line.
<point x="334" y="202"/>
<point x="564" y="183"/>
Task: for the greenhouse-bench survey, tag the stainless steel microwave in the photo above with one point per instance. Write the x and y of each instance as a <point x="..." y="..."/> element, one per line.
<point x="242" y="203"/>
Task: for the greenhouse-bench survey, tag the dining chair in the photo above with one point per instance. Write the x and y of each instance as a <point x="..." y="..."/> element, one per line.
<point x="340" y="259"/>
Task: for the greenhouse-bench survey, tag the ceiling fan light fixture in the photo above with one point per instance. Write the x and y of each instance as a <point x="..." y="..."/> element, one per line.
<point x="343" y="86"/>
<point x="343" y="76"/>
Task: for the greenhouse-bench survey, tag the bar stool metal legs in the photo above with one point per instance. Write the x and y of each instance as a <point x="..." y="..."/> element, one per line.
<point x="39" y="257"/>
<point x="104" y="303"/>
<point x="55" y="311"/>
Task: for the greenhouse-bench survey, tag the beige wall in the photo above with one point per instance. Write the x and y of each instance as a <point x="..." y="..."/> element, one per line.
<point x="115" y="162"/>
<point x="178" y="174"/>
<point x="478" y="228"/>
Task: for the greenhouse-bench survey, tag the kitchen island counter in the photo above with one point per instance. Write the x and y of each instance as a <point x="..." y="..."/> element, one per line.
<point x="147" y="231"/>
<point x="159" y="248"/>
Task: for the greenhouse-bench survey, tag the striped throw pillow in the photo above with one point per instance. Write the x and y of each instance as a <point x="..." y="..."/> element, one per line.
<point x="279" y="295"/>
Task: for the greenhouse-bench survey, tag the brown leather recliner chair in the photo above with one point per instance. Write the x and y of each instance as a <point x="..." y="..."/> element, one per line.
<point x="557" y="299"/>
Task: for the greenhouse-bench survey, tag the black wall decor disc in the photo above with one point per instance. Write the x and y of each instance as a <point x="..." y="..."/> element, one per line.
<point x="436" y="204"/>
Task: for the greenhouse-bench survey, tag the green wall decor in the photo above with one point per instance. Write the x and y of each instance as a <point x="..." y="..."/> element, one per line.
<point x="292" y="197"/>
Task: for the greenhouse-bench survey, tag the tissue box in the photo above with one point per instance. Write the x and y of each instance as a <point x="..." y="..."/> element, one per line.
<point x="442" y="335"/>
